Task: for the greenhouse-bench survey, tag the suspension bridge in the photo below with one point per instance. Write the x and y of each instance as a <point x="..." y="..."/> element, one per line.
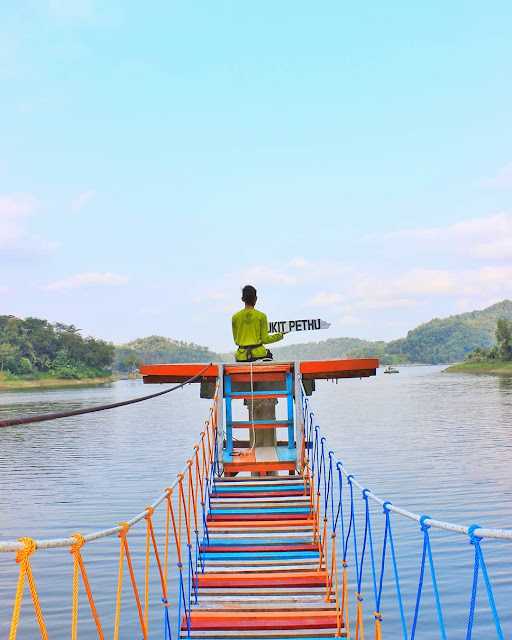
<point x="261" y="537"/>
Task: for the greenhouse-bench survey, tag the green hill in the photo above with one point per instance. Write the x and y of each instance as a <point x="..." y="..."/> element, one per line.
<point x="158" y="349"/>
<point x="450" y="339"/>
<point x="437" y="341"/>
<point x="326" y="349"/>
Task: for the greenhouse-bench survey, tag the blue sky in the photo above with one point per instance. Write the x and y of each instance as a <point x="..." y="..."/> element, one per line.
<point x="353" y="161"/>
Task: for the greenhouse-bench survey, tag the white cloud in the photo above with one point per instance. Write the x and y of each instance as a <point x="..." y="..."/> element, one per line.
<point x="500" y="249"/>
<point x="488" y="238"/>
<point x="153" y="311"/>
<point x="350" y="320"/>
<point x="13" y="232"/>
<point x="417" y="283"/>
<point x="379" y="302"/>
<point x="300" y="263"/>
<point x="82" y="280"/>
<point x="261" y="274"/>
<point x="81" y="200"/>
<point x="210" y="296"/>
<point x="502" y="180"/>
<point x="17" y="205"/>
<point x="324" y="299"/>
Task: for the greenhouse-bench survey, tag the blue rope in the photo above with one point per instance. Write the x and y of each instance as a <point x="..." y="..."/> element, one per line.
<point x="180" y="598"/>
<point x="350" y="522"/>
<point x="353" y="519"/>
<point x="331" y="480"/>
<point x="340" y="483"/>
<point x="195" y="572"/>
<point x="427" y="551"/>
<point x="191" y="585"/>
<point x="167" y="623"/>
<point x="368" y="527"/>
<point x="321" y="463"/>
<point x="479" y="560"/>
<point x="395" y="568"/>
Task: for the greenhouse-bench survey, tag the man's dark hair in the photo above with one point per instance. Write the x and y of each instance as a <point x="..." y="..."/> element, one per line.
<point x="249" y="294"/>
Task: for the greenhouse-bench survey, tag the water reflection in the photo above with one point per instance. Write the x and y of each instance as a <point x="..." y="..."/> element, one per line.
<point x="429" y="441"/>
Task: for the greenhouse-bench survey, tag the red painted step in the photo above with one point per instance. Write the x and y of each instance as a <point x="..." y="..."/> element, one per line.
<point x="297" y="579"/>
<point x="277" y="515"/>
<point x="289" y="546"/>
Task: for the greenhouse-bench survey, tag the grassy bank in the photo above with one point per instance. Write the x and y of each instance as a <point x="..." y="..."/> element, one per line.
<point x="19" y="382"/>
<point x="495" y="366"/>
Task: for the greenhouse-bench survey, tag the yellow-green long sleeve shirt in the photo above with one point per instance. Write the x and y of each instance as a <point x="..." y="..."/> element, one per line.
<point x="250" y="327"/>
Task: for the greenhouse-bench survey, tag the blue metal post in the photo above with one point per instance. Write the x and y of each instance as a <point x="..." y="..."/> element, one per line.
<point x="289" y="400"/>
<point x="229" y="417"/>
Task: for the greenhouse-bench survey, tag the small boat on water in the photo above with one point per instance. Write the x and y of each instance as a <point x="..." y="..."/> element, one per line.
<point x="391" y="369"/>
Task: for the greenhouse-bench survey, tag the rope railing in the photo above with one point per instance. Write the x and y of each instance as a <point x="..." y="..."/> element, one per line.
<point x="187" y="503"/>
<point x="326" y="473"/>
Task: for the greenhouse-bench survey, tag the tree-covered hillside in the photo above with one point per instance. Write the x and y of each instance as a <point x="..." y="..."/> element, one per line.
<point x="159" y="350"/>
<point x="331" y="348"/>
<point x="438" y="341"/>
<point x="450" y="339"/>
<point x="34" y="346"/>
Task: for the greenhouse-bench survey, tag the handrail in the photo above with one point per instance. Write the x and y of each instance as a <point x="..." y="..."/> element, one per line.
<point x="68" y="542"/>
<point x="480" y="532"/>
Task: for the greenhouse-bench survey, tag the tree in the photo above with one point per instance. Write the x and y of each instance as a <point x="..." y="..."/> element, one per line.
<point x="132" y="362"/>
<point x="504" y="338"/>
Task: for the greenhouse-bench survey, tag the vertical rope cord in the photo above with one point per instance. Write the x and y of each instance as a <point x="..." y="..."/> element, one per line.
<point x="395" y="569"/>
<point x="479" y="560"/>
<point x="427" y="551"/>
<point x="124" y="546"/>
<point x="22" y="558"/>
<point x="79" y="563"/>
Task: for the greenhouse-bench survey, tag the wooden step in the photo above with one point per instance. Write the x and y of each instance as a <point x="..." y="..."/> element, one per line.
<point x="277" y="634"/>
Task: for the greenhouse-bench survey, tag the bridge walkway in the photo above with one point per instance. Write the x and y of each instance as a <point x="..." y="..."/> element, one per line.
<point x="263" y="575"/>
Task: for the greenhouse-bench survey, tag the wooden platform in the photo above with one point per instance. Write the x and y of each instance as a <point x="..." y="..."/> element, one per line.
<point x="262" y="577"/>
<point x="314" y="370"/>
<point x="261" y="459"/>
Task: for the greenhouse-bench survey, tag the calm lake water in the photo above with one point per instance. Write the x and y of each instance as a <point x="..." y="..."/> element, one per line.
<point x="435" y="443"/>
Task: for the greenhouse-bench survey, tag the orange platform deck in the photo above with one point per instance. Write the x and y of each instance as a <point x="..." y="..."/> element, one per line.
<point x="312" y="370"/>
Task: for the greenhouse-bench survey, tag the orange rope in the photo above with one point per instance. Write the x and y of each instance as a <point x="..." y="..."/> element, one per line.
<point x="344" y="598"/>
<point x="146" y="574"/>
<point x="191" y="484"/>
<point x="378" y="620"/>
<point x="209" y="440"/>
<point x="79" y="563"/>
<point x="317" y="526"/>
<point x="336" y="590"/>
<point x="185" y="515"/>
<point x="359" y="619"/>
<point x="125" y="550"/>
<point x="199" y="478"/>
<point x="167" y="529"/>
<point x="324" y="547"/>
<point x="177" y="534"/>
<point x="197" y="487"/>
<point x="22" y="558"/>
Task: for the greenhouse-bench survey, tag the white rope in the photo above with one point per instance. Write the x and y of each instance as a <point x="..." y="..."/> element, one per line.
<point x="14" y="545"/>
<point x="503" y="534"/>
<point x="253" y="432"/>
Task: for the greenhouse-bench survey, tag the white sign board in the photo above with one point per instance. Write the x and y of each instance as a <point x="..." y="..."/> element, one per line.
<point x="297" y="325"/>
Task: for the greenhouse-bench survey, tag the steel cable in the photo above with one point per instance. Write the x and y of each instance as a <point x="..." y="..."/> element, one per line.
<point x="10" y="422"/>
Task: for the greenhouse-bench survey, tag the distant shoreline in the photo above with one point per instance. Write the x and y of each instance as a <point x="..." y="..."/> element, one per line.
<point x="503" y="368"/>
<point x="52" y="382"/>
